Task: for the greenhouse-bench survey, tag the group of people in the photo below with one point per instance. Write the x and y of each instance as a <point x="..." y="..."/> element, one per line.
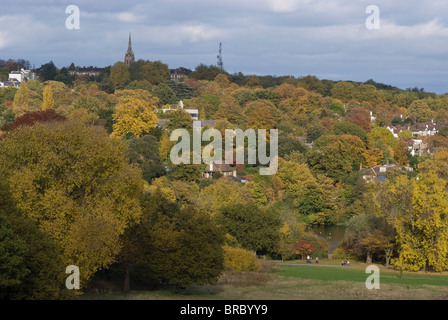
<point x="345" y="263"/>
<point x="308" y="259"/>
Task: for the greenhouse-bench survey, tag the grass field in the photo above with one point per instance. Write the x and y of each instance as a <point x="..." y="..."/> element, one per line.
<point x="303" y="282"/>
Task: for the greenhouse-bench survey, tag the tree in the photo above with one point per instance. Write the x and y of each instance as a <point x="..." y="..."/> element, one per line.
<point x="21" y="100"/>
<point x="144" y="151"/>
<point x="418" y="211"/>
<point x="173" y="246"/>
<point x="401" y="153"/>
<point x="119" y="74"/>
<point x="303" y="248"/>
<point x="260" y="114"/>
<point x="139" y="84"/>
<point x="254" y="228"/>
<point x="40" y="274"/>
<point x="344" y="127"/>
<point x="135" y="113"/>
<point x="12" y="253"/>
<point x="47" y="71"/>
<point x="288" y="144"/>
<point x="368" y="236"/>
<point x="381" y="134"/>
<point x="181" y="90"/>
<point x="360" y="117"/>
<point x="165" y="94"/>
<point x="76" y="184"/>
<point x="156" y="72"/>
<point x="337" y="156"/>
<point x="48" y="99"/>
<point x="203" y="72"/>
<point x="294" y="177"/>
<point x="419" y="111"/>
<point x="179" y="119"/>
<point x="186" y="172"/>
<point x="343" y="91"/>
<point x="222" y="80"/>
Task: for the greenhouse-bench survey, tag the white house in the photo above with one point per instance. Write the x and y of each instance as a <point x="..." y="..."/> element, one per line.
<point x="194" y="113"/>
<point x="18" y="75"/>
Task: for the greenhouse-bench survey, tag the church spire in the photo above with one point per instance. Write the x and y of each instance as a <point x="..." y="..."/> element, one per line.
<point x="129" y="56"/>
<point x="130" y="44"/>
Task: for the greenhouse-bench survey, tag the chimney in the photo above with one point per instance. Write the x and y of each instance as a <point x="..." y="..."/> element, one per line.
<point x="211" y="166"/>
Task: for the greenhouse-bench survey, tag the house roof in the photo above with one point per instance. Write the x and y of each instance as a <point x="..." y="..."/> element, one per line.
<point x="222" y="167"/>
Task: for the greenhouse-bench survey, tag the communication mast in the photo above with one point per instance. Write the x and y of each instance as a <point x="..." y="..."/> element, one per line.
<point x="220" y="63"/>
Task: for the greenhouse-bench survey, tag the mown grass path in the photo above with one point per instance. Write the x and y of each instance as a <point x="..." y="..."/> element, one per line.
<point x="358" y="274"/>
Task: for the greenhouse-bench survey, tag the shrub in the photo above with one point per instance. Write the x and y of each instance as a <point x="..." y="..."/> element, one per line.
<point x="340" y="253"/>
<point x="237" y="259"/>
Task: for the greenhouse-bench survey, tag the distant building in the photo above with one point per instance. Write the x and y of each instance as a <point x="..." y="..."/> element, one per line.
<point x="18" y="75"/>
<point x="179" y="73"/>
<point x="129" y="56"/>
<point x="90" y="71"/>
<point x="423" y="129"/>
<point x="378" y="173"/>
<point x="194" y="113"/>
<point x="225" y="170"/>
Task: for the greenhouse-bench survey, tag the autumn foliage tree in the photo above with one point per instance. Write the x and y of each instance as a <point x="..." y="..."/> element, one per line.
<point x="48" y="99"/>
<point x="418" y="211"/>
<point x="76" y="184"/>
<point x="304" y="248"/>
<point x="21" y="100"/>
<point x="135" y="113"/>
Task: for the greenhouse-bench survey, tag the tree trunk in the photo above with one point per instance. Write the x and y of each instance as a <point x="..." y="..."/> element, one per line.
<point x="126" y="287"/>
<point x="369" y="258"/>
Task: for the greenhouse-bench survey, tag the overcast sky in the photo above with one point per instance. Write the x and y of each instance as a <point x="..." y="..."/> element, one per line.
<point x="325" y="38"/>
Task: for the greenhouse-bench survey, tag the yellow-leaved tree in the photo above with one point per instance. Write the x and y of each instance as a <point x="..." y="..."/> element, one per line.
<point x="48" y="99"/>
<point x="76" y="183"/>
<point x="418" y="209"/>
<point x="135" y="113"/>
<point x="21" y="100"/>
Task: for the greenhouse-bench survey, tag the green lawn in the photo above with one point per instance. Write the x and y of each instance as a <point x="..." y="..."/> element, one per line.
<point x="358" y="274"/>
<point x="303" y="282"/>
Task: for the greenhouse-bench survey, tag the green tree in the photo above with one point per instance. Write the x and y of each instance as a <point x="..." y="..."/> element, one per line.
<point x="40" y="274"/>
<point x="344" y="127"/>
<point x="12" y="254"/>
<point x="186" y="172"/>
<point x="174" y="247"/>
<point x="144" y="151"/>
<point x="119" y="74"/>
<point x="254" y="228"/>
<point x="203" y="72"/>
<point x="156" y="72"/>
<point x="165" y="94"/>
<point x="47" y="71"/>
<point x="181" y="90"/>
<point x="179" y="118"/>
